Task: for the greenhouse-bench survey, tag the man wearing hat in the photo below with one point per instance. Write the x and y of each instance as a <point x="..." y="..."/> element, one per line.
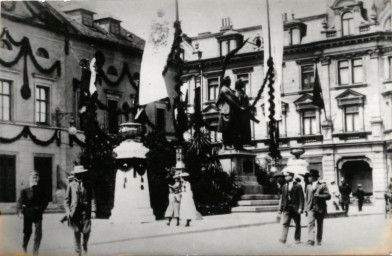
<point x="31" y="206"/>
<point x="291" y="205"/>
<point x="334" y="194"/>
<point x="360" y="195"/>
<point x="345" y="191"/>
<point x="315" y="206"/>
<point x="80" y="207"/>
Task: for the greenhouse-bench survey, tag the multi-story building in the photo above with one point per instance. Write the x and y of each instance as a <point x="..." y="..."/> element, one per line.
<point x="350" y="45"/>
<point x="41" y="46"/>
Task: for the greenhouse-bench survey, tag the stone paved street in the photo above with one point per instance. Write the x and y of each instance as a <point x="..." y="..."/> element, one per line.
<point x="247" y="233"/>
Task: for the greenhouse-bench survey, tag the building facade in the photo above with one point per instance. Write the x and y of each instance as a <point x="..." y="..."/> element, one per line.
<point x="40" y="75"/>
<point x="350" y="45"/>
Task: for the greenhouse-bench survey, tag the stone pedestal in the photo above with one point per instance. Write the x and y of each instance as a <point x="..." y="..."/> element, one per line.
<point x="243" y="164"/>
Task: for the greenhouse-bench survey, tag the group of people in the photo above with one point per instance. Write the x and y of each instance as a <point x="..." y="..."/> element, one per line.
<point x="341" y="195"/>
<point x="79" y="205"/>
<point x="294" y="200"/>
<point x="181" y="203"/>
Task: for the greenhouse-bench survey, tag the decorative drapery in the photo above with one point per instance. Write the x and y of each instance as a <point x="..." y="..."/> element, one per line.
<point x="26" y="132"/>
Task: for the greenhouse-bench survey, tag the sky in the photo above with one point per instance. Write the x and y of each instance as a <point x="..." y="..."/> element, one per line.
<point x="196" y="16"/>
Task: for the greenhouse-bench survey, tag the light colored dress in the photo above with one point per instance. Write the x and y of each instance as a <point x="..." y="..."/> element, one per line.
<point x="187" y="205"/>
<point x="173" y="209"/>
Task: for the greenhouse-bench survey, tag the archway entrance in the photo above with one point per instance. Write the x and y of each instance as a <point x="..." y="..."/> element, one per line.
<point x="358" y="172"/>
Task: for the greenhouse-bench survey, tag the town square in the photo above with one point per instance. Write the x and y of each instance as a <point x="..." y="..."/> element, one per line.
<point x="195" y="127"/>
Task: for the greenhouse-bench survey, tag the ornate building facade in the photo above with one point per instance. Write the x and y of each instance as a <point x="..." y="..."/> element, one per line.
<point x="40" y="76"/>
<point x="350" y="45"/>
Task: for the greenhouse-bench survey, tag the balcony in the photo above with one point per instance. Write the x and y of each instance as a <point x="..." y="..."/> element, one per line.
<point x="310" y="138"/>
<point x="351" y="135"/>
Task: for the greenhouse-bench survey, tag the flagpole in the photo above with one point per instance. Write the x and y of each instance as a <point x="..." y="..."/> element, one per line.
<point x="177" y="13"/>
<point x="269" y="32"/>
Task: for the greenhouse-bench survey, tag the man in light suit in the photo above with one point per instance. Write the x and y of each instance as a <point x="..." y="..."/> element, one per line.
<point x="80" y="207"/>
<point x="315" y="206"/>
<point x="291" y="205"/>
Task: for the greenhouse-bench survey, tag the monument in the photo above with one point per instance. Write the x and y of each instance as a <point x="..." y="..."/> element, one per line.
<point x="234" y="124"/>
<point x="132" y="194"/>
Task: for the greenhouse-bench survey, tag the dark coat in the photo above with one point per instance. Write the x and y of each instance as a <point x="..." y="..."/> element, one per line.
<point x="360" y="194"/>
<point x="32" y="203"/>
<point x="345" y="191"/>
<point x="296" y="201"/>
<point x="317" y="204"/>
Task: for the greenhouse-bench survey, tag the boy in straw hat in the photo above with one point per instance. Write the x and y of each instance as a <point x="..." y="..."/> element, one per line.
<point x="80" y="207"/>
<point x="31" y="206"/>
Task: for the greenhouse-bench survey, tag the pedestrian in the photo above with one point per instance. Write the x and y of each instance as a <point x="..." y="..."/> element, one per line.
<point x="291" y="205"/>
<point x="173" y="209"/>
<point x="334" y="194"/>
<point x="80" y="207"/>
<point x="315" y="206"/>
<point x="187" y="205"/>
<point x="345" y="191"/>
<point x="31" y="206"/>
<point x="65" y="218"/>
<point x="360" y="195"/>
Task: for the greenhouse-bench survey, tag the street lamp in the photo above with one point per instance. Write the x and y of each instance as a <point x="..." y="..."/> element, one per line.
<point x="58" y="116"/>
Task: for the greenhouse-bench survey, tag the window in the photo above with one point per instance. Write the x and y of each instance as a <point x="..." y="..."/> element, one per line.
<point x="347" y="24"/>
<point x="87" y="20"/>
<point x="307" y="77"/>
<point x="5" y="44"/>
<point x="112" y="71"/>
<point x="245" y="79"/>
<point x="351" y="118"/>
<point x="213" y="86"/>
<point x="309" y="125"/>
<point x="160" y="119"/>
<point x="292" y="36"/>
<point x="350" y="71"/>
<point x="41" y="52"/>
<point x="388" y="68"/>
<point x="114" y="28"/>
<point x="41" y="105"/>
<point x="5" y="100"/>
<point x="112" y="116"/>
<point x="7" y="179"/>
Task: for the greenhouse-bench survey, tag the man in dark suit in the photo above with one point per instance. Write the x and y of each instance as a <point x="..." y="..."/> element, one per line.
<point x="315" y="206"/>
<point x="345" y="191"/>
<point x="291" y="205"/>
<point x="80" y="207"/>
<point x="31" y="206"/>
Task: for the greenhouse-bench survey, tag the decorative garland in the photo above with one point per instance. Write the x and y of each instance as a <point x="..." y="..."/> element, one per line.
<point x="124" y="72"/>
<point x="25" y="49"/>
<point x="73" y="138"/>
<point x="26" y="132"/>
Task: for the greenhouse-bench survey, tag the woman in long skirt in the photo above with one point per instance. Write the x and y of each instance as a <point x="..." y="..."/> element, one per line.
<point x="187" y="206"/>
<point x="173" y="209"/>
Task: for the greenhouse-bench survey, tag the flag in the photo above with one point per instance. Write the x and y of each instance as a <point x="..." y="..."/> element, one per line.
<point x="275" y="30"/>
<point x="160" y="36"/>
<point x="228" y="58"/>
<point x="317" y="92"/>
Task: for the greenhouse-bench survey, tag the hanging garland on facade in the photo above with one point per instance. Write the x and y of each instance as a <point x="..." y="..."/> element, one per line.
<point x="26" y="132"/>
<point x="25" y="50"/>
<point x="74" y="138"/>
<point x="124" y="72"/>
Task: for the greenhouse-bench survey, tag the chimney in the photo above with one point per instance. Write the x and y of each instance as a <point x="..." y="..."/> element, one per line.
<point x="226" y="24"/>
<point x="284" y="16"/>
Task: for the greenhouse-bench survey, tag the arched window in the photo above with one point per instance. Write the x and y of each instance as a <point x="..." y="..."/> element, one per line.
<point x="5" y="44"/>
<point x="112" y="71"/>
<point x="347" y="24"/>
<point x="41" y="52"/>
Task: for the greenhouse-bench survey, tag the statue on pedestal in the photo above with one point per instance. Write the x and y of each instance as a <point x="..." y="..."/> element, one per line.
<point x="235" y="114"/>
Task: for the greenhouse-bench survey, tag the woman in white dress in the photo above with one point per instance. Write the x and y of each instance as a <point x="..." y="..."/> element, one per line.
<point x="173" y="209"/>
<point x="187" y="206"/>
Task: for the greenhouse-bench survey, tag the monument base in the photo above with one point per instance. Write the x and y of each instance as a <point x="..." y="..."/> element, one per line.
<point x="243" y="164"/>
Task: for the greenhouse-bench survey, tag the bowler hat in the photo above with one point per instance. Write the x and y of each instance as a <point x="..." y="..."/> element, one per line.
<point x="314" y="173"/>
<point x="78" y="169"/>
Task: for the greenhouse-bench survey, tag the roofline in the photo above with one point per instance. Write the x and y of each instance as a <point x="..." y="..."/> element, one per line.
<point x="79" y="9"/>
<point x="107" y="18"/>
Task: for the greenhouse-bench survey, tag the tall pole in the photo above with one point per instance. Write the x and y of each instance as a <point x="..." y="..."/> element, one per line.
<point x="177" y="13"/>
<point x="269" y="32"/>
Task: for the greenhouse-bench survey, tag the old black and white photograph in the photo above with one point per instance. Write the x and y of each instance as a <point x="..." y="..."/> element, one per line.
<point x="196" y="127"/>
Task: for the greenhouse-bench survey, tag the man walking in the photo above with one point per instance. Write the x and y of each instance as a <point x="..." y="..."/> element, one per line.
<point x="315" y="206"/>
<point x="291" y="205"/>
<point x="360" y="194"/>
<point x="31" y="206"/>
<point x="345" y="191"/>
<point x="80" y="207"/>
<point x="335" y="195"/>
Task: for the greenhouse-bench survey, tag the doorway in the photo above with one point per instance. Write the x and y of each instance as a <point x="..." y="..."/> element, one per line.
<point x="358" y="172"/>
<point x="43" y="165"/>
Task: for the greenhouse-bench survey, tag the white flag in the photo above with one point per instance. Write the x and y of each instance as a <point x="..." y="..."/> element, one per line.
<point x="159" y="41"/>
<point x="276" y="28"/>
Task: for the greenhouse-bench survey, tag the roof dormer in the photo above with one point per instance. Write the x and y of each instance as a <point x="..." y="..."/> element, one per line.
<point x="109" y="24"/>
<point x="294" y="30"/>
<point x="229" y="39"/>
<point x="82" y="16"/>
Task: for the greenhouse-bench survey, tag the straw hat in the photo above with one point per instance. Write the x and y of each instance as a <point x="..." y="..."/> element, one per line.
<point x="181" y="174"/>
<point x="78" y="169"/>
